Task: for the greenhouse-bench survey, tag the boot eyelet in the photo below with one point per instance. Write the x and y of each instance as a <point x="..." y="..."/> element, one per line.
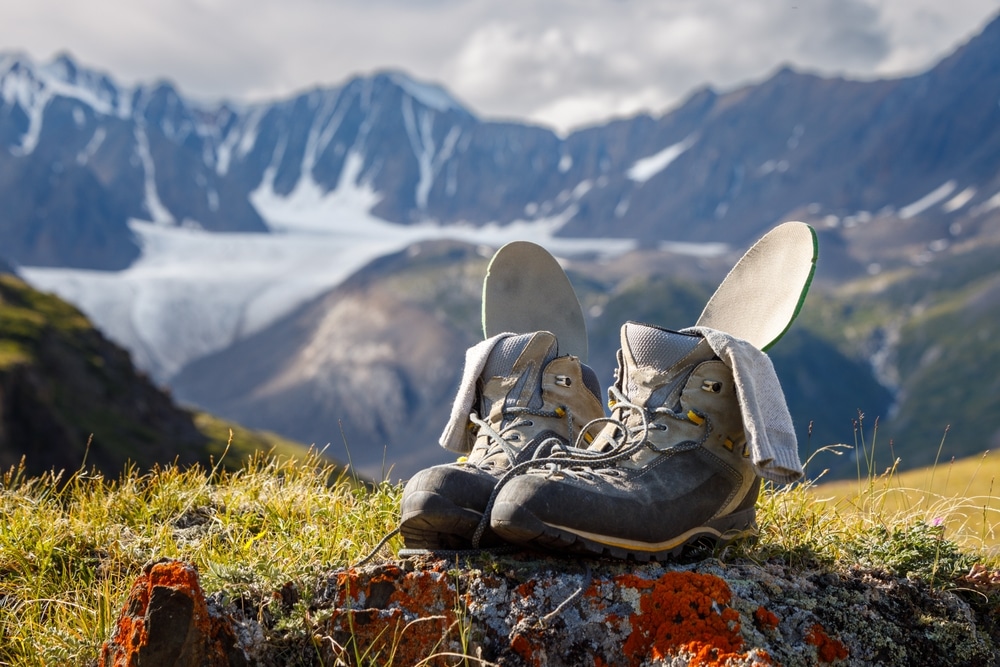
<point x="712" y="386"/>
<point x="563" y="380"/>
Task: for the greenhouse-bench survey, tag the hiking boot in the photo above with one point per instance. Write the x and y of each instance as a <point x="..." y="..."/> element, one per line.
<point x="532" y="401"/>
<point x="668" y="470"/>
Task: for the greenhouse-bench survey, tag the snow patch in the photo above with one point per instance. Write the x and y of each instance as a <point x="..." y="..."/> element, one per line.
<point x="428" y="94"/>
<point x="32" y="96"/>
<point x="308" y="208"/>
<point x="622" y="207"/>
<point x="780" y="166"/>
<point x="325" y="125"/>
<point x="930" y="199"/>
<point x="250" y="130"/>
<point x="647" y="167"/>
<point x="796" y="138"/>
<point x="988" y="205"/>
<point x="95" y="143"/>
<point x="705" y="250"/>
<point x="154" y="206"/>
<point x="959" y="200"/>
<point x="32" y="88"/>
<point x="420" y="132"/>
<point x="582" y="188"/>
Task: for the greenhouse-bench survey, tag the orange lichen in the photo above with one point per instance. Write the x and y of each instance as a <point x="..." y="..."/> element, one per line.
<point x="527" y="650"/>
<point x="526" y="589"/>
<point x="399" y="617"/>
<point x="765" y="619"/>
<point x="827" y="648"/>
<point x="131" y="640"/>
<point x="683" y="613"/>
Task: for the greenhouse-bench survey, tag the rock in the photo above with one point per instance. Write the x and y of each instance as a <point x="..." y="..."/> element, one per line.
<point x="167" y="621"/>
<point x="528" y="611"/>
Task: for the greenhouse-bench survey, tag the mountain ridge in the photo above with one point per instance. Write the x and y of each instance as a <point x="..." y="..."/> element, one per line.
<point x="743" y="159"/>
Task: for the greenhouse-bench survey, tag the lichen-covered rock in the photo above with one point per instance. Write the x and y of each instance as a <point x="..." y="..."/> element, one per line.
<point x="528" y="611"/>
<point x="167" y="621"/>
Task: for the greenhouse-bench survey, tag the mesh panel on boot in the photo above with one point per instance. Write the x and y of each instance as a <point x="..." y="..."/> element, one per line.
<point x="659" y="348"/>
<point x="501" y="364"/>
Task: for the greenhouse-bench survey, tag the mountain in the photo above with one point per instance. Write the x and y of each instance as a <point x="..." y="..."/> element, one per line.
<point x="272" y="261"/>
<point x="70" y="398"/>
<point x="367" y="370"/>
<point x="84" y="155"/>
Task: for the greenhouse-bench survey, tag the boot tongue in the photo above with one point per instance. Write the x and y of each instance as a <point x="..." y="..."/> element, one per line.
<point x="650" y="358"/>
<point x="518" y="361"/>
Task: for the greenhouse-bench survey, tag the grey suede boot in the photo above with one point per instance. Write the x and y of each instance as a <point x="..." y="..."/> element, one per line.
<point x="532" y="402"/>
<point x="668" y="470"/>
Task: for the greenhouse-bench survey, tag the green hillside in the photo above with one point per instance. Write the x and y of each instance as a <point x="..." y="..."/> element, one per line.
<point x="934" y="328"/>
<point x="70" y="398"/>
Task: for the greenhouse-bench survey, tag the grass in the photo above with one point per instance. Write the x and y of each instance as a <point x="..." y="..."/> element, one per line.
<point x="25" y="313"/>
<point x="936" y="522"/>
<point x="70" y="548"/>
<point x="961" y="496"/>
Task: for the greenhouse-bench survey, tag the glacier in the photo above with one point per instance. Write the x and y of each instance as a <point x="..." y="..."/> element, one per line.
<point x="194" y="292"/>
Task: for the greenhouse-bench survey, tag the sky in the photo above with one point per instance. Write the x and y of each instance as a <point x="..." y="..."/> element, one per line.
<point x="560" y="63"/>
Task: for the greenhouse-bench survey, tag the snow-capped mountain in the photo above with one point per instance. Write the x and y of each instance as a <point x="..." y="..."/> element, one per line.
<point x="79" y="152"/>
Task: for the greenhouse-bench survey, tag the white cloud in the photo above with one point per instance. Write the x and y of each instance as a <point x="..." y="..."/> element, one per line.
<point x="561" y="62"/>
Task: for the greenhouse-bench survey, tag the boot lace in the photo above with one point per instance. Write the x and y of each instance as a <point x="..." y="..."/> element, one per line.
<point x="509" y="440"/>
<point x="634" y="424"/>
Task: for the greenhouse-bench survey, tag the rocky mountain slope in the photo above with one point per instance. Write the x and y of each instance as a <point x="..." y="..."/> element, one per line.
<point x="369" y="369"/>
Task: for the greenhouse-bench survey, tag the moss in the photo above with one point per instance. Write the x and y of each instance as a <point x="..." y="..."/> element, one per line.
<point x="20" y="305"/>
<point x="13" y="354"/>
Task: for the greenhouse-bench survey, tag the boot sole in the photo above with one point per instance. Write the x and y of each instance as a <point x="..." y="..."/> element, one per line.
<point x="436" y="523"/>
<point x="522" y="527"/>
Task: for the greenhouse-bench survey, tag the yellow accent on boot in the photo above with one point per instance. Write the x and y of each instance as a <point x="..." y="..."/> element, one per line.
<point x="695" y="417"/>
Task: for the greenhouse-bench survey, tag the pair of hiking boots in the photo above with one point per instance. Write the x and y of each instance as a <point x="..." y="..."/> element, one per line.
<point x="672" y="466"/>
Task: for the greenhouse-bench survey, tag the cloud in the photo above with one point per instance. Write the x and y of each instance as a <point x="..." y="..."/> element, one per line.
<point x="622" y="57"/>
<point x="559" y="62"/>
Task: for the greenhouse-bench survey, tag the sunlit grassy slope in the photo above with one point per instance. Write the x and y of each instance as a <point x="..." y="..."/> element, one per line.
<point x="962" y="496"/>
